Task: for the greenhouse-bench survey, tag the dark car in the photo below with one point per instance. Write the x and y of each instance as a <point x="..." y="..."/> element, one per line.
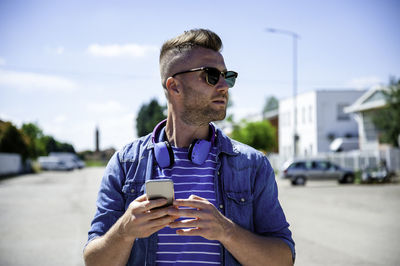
<point x="299" y="171"/>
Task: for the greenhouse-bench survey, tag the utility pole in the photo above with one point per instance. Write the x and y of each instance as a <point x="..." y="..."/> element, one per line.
<point x="295" y="37"/>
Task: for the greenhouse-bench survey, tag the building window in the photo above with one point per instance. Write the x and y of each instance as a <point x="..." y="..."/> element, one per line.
<point x="310" y="114"/>
<point x="341" y="115"/>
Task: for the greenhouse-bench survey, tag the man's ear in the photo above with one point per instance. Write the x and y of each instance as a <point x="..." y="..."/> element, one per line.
<point x="172" y="85"/>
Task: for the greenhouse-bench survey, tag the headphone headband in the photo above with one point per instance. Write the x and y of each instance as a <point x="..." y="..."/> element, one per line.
<point x="157" y="129"/>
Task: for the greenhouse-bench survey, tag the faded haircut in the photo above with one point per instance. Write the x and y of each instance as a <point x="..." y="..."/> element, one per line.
<point x="176" y="50"/>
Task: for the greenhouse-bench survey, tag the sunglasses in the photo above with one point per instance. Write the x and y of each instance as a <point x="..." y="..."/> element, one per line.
<point x="213" y="74"/>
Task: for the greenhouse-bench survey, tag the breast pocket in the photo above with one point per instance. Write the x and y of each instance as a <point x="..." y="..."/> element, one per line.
<point x="238" y="191"/>
<point x="132" y="190"/>
<point x="239" y="208"/>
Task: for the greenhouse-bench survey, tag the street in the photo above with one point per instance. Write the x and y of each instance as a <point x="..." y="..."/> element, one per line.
<point x="45" y="218"/>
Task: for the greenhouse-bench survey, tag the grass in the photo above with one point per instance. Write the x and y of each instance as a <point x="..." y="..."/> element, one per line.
<point x="95" y="163"/>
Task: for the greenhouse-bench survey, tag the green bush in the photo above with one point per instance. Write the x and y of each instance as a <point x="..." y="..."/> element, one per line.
<point x="260" y="135"/>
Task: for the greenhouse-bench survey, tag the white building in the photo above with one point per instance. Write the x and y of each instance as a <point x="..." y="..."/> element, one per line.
<point x="320" y="119"/>
<point x="363" y="110"/>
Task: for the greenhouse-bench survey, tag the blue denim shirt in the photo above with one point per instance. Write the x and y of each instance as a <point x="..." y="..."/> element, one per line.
<point x="245" y="186"/>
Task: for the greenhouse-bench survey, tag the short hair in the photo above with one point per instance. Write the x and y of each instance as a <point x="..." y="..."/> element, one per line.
<point x="176" y="50"/>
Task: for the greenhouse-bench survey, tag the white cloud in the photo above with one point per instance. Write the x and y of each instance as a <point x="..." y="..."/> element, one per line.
<point x="2" y="61"/>
<point x="105" y="107"/>
<point x="364" y="82"/>
<point x="29" y="81"/>
<point x="117" y="50"/>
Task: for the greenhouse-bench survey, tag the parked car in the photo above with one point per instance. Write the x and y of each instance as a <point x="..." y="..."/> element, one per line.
<point x="299" y="171"/>
<point x="70" y="158"/>
<point x="54" y="163"/>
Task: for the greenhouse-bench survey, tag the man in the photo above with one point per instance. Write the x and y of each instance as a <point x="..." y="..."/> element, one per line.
<point x="226" y="209"/>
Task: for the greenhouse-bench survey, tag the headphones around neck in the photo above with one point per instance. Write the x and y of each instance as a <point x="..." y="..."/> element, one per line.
<point x="198" y="150"/>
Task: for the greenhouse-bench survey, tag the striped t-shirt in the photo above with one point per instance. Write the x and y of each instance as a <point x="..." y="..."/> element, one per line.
<point x="188" y="179"/>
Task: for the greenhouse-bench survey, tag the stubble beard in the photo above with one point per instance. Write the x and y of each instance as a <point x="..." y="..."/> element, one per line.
<point x="197" y="111"/>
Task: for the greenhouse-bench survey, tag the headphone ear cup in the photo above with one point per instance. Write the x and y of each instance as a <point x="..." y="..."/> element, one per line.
<point x="164" y="154"/>
<point x="198" y="151"/>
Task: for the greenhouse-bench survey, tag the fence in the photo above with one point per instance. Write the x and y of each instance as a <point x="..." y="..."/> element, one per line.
<point x="356" y="160"/>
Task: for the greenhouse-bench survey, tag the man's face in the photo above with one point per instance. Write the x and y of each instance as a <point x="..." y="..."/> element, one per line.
<point x="201" y="102"/>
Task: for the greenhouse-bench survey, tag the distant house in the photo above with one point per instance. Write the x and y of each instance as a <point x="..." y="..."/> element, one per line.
<point x="362" y="110"/>
<point x="320" y="120"/>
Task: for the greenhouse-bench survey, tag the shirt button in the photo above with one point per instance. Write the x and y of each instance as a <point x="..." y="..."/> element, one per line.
<point x="219" y="173"/>
<point x="132" y="190"/>
<point x="242" y="200"/>
<point x="221" y="206"/>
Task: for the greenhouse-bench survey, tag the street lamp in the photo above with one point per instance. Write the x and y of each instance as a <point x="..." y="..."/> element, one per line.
<point x="295" y="37"/>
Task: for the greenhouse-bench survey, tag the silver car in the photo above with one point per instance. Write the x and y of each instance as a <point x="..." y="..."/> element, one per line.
<point x="299" y="171"/>
<point x="54" y="163"/>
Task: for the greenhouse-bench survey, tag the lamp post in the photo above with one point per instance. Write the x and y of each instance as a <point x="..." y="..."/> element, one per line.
<point x="295" y="37"/>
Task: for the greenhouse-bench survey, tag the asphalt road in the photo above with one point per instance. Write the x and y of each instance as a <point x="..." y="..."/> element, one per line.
<point x="44" y="220"/>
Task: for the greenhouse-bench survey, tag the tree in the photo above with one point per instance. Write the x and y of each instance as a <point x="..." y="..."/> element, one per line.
<point x="29" y="141"/>
<point x="52" y="145"/>
<point x="386" y="120"/>
<point x="271" y="104"/>
<point x="260" y="135"/>
<point x="149" y="115"/>
<point x="34" y="134"/>
<point x="12" y="140"/>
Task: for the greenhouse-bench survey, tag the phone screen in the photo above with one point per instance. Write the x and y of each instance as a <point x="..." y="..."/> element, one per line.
<point x="160" y="188"/>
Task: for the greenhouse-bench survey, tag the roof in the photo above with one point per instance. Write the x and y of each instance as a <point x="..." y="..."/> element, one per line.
<point x="372" y="99"/>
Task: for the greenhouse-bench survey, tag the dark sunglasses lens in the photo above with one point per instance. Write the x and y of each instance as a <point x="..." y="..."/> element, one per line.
<point x="230" y="78"/>
<point x="213" y="76"/>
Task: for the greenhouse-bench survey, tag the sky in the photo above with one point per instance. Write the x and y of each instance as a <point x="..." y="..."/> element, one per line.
<point x="72" y="66"/>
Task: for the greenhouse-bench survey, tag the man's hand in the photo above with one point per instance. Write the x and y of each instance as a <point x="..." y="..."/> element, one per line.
<point x="248" y="248"/>
<point x="140" y="221"/>
<point x="207" y="221"/>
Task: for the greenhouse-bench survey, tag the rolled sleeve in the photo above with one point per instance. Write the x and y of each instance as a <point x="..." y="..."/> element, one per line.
<point x="110" y="200"/>
<point x="270" y="219"/>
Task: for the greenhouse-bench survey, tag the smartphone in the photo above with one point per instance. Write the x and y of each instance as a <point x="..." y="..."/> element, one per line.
<point x="160" y="188"/>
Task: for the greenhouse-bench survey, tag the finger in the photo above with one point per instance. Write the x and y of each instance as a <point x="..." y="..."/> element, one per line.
<point x="147" y="205"/>
<point x="195" y="197"/>
<point x="194" y="223"/>
<point x="155" y="225"/>
<point x="141" y="198"/>
<point x="162" y="221"/>
<point x="158" y="213"/>
<point x="158" y="203"/>
<point x="194" y="213"/>
<point x="194" y="203"/>
<point x="190" y="232"/>
<point x="158" y="228"/>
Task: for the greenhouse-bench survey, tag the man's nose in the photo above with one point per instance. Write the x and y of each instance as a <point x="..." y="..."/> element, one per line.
<point x="222" y="85"/>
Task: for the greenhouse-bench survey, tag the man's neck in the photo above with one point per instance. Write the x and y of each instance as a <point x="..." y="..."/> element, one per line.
<point x="181" y="134"/>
